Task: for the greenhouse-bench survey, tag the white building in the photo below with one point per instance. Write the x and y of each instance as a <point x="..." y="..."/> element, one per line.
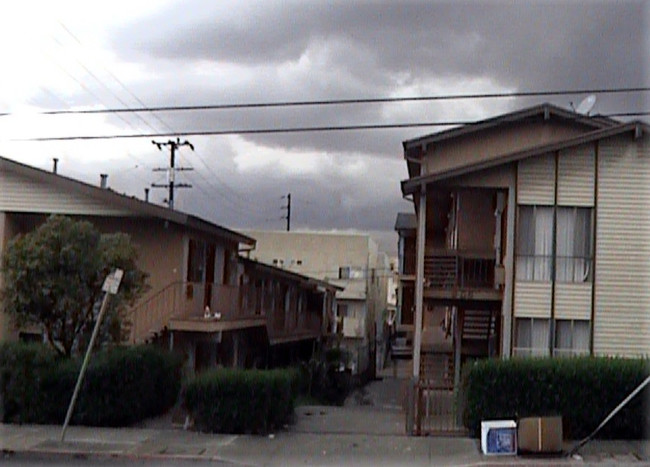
<point x="350" y="260"/>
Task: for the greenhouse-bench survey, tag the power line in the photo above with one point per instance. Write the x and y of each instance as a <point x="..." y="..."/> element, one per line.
<point x="224" y="194"/>
<point x="377" y="100"/>
<point x="259" y="131"/>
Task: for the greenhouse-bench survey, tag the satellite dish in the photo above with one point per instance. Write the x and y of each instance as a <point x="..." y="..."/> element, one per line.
<point x="586" y="105"/>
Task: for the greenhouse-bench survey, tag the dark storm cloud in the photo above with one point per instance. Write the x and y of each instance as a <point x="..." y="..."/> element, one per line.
<point x="518" y="43"/>
<point x="197" y="52"/>
<point x="372" y="49"/>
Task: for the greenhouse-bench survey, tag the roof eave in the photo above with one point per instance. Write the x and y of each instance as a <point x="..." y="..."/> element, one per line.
<point x="413" y="185"/>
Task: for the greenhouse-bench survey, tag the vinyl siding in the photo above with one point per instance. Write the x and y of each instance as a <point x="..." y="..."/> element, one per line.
<point x="576" y="177"/>
<point x="532" y="299"/>
<point x="22" y="194"/>
<point x="536" y="180"/>
<point x="622" y="308"/>
<point x="573" y="301"/>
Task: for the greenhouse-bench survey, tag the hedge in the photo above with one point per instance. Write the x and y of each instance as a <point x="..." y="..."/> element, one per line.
<point x="121" y="386"/>
<point x="582" y="390"/>
<point x="242" y="401"/>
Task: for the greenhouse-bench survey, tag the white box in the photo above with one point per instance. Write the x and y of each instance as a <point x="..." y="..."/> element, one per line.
<point x="499" y="437"/>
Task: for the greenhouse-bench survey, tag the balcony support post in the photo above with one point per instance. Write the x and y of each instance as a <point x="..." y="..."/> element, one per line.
<point x="419" y="281"/>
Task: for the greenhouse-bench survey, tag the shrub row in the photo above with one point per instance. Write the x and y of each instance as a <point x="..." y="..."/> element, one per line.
<point x="121" y="386"/>
<point x="582" y="390"/>
<point x="242" y="401"/>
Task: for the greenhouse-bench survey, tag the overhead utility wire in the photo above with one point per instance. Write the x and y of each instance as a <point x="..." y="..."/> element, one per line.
<point x="243" y="202"/>
<point x="377" y="100"/>
<point x="259" y="131"/>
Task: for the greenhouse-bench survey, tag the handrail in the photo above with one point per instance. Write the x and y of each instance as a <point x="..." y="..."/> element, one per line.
<point x="153" y="314"/>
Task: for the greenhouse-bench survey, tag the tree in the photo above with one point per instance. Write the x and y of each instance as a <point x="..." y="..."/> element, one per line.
<point x="53" y="277"/>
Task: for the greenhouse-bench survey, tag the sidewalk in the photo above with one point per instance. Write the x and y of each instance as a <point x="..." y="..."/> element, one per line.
<point x="290" y="447"/>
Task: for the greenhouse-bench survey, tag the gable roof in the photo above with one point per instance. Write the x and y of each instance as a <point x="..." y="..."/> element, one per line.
<point x="546" y="110"/>
<point x="638" y="128"/>
<point x="132" y="204"/>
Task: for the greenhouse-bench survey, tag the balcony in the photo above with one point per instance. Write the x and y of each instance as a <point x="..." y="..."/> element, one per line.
<point x="216" y="307"/>
<point x="461" y="275"/>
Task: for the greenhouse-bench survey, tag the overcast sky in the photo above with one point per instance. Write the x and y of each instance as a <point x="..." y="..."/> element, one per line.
<point x="87" y="55"/>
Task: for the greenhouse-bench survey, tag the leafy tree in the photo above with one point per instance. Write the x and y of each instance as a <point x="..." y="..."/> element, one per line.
<point x="53" y="277"/>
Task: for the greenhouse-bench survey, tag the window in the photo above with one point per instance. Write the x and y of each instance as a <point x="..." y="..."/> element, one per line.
<point x="571" y="337"/>
<point x="535" y="243"/>
<point x="532" y="337"/>
<point x="573" y="250"/>
<point x="351" y="272"/>
<point x="573" y="255"/>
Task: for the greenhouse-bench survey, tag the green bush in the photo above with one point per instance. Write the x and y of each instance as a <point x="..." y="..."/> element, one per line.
<point x="121" y="385"/>
<point x="22" y="367"/>
<point x="582" y="390"/>
<point x="242" y="401"/>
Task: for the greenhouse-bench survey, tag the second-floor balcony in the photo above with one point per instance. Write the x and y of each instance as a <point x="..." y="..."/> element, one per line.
<point x="469" y="275"/>
<point x="209" y="308"/>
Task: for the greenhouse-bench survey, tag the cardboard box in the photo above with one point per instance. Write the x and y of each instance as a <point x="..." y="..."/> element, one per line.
<point x="499" y="437"/>
<point x="540" y="434"/>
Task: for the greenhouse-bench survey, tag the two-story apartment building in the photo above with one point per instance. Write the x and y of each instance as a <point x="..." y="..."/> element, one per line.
<point x="204" y="299"/>
<point x="350" y="260"/>
<point x="532" y="236"/>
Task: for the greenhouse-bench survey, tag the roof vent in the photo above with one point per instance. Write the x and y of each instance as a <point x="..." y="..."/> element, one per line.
<point x="56" y="164"/>
<point x="103" y="180"/>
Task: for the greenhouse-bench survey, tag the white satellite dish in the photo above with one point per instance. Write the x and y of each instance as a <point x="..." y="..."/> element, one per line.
<point x="586" y="105"/>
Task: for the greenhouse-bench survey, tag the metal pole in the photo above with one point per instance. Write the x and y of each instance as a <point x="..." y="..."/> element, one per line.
<point x="419" y="281"/>
<point x="102" y="310"/>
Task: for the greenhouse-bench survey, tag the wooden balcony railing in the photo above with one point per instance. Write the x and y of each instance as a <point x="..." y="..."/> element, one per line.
<point x="451" y="269"/>
<point x="228" y="302"/>
<point x="187" y="301"/>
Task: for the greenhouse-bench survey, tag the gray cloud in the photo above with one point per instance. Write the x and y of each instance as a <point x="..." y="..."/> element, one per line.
<point x="237" y="52"/>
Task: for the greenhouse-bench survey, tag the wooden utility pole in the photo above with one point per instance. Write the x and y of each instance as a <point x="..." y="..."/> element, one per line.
<point x="288" y="208"/>
<point x="172" y="169"/>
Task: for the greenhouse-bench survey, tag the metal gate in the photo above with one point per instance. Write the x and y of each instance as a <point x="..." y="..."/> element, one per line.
<point x="434" y="403"/>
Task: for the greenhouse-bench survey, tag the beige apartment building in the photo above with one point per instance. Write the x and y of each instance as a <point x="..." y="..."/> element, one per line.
<point x="349" y="260"/>
<point x="531" y="237"/>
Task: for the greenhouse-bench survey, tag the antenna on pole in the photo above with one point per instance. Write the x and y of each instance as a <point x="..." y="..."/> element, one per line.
<point x="172" y="169"/>
<point x="288" y="208"/>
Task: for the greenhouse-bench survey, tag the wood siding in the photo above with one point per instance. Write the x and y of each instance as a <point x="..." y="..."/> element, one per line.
<point x="573" y="300"/>
<point x="622" y="297"/>
<point x="576" y="172"/>
<point x="535" y="180"/>
<point x="22" y="194"/>
<point x="532" y="299"/>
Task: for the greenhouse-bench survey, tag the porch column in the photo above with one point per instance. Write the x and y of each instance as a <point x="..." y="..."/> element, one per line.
<point x="419" y="280"/>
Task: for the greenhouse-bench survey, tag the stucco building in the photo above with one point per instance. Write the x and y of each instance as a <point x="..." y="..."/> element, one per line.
<point x="350" y="260"/>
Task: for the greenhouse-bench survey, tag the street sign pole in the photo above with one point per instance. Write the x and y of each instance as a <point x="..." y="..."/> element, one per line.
<point x="110" y="287"/>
